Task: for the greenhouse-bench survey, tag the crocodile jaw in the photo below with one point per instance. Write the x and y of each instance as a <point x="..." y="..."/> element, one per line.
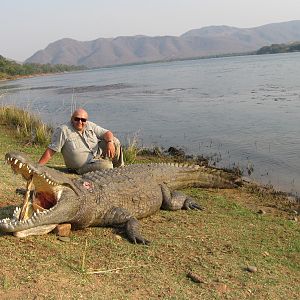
<point x="39" y="230"/>
<point x="44" y="211"/>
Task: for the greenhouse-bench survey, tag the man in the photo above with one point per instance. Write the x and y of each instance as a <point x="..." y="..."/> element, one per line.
<point x="84" y="145"/>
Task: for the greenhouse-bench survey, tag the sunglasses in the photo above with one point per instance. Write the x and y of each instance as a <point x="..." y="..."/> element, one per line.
<point x="76" y="119"/>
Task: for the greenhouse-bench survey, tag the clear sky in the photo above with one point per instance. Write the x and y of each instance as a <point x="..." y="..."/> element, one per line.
<point x="30" y="25"/>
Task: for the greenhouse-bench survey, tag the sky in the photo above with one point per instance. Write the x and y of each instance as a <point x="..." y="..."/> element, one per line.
<point x="27" y="26"/>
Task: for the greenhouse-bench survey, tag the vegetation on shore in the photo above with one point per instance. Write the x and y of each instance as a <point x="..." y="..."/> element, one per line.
<point x="244" y="245"/>
<point x="279" y="48"/>
<point x="12" y="70"/>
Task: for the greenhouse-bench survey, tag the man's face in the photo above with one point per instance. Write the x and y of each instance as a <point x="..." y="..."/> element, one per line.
<point x="79" y="120"/>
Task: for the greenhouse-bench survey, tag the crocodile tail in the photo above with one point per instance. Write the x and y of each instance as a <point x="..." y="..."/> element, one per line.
<point x="204" y="177"/>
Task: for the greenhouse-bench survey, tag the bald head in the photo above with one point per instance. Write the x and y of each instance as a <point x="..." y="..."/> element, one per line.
<point x="81" y="113"/>
<point x="79" y="119"/>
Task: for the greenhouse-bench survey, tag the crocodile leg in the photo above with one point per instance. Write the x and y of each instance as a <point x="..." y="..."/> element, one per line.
<point x="177" y="200"/>
<point x="132" y="230"/>
<point x="119" y="216"/>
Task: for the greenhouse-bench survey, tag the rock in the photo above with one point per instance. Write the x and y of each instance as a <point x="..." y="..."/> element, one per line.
<point x="266" y="253"/>
<point x="118" y="237"/>
<point x="176" y="152"/>
<point x="63" y="230"/>
<point x="261" y="212"/>
<point x="251" y="269"/>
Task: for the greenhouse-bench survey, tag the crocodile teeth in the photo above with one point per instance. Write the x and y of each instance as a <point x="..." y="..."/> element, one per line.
<point x="35" y="217"/>
<point x="16" y="212"/>
<point x="5" y="220"/>
<point x="16" y="161"/>
<point x="20" y="165"/>
<point x="17" y="209"/>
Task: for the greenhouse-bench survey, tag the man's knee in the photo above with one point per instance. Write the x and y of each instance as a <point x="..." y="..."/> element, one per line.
<point x="117" y="143"/>
<point x="118" y="160"/>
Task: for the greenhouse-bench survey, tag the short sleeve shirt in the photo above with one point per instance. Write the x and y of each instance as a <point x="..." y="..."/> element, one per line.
<point x="77" y="149"/>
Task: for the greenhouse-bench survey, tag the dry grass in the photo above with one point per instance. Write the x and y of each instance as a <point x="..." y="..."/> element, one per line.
<point x="131" y="149"/>
<point x="26" y="125"/>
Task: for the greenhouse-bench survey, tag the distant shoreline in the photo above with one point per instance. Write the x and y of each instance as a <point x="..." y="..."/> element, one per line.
<point x="16" y="77"/>
<point x="35" y="75"/>
<point x="26" y="76"/>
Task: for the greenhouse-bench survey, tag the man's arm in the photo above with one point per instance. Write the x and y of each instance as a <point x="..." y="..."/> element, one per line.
<point x="46" y="156"/>
<point x="107" y="136"/>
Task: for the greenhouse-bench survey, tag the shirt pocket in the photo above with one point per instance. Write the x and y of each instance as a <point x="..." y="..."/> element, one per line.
<point x="74" y="143"/>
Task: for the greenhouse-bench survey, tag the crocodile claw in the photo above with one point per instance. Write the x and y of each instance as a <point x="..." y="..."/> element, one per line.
<point x="139" y="240"/>
<point x="133" y="233"/>
<point x="190" y="203"/>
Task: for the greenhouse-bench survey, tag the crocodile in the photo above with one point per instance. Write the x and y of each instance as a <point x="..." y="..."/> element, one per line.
<point x="109" y="197"/>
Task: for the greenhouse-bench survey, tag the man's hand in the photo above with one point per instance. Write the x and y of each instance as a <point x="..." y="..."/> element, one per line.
<point x="110" y="149"/>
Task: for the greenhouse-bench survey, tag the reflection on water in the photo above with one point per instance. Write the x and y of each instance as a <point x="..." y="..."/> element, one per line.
<point x="241" y="111"/>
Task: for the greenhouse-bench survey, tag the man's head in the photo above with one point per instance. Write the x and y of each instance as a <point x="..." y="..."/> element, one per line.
<point x="79" y="119"/>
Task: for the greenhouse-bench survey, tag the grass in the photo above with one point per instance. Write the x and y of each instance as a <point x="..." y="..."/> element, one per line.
<point x="216" y="244"/>
<point x="26" y="125"/>
<point x="131" y="150"/>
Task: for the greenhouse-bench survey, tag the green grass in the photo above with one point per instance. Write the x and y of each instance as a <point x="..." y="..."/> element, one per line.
<point x="217" y="244"/>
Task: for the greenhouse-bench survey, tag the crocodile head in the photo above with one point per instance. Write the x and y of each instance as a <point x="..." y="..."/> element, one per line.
<point x="50" y="198"/>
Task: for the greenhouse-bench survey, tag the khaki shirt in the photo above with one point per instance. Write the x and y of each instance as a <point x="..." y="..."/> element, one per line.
<point x="77" y="149"/>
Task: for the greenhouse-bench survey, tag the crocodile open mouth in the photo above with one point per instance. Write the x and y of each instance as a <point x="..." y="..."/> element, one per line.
<point x="40" y="197"/>
<point x="41" y="192"/>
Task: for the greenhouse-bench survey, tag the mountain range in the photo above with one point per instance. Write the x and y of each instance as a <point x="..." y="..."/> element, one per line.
<point x="206" y="41"/>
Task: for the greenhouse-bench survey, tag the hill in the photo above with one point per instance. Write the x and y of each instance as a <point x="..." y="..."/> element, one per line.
<point x="207" y="41"/>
